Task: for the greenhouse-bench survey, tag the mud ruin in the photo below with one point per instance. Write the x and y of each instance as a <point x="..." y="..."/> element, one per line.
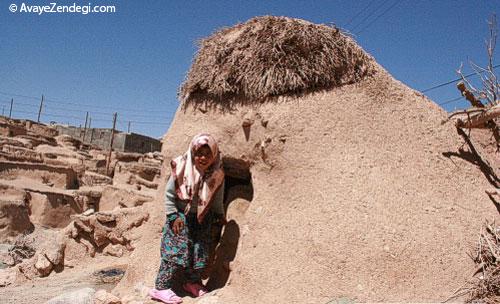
<point x="58" y="204"/>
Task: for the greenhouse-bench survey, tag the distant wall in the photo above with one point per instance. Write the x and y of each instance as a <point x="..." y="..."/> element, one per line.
<point x="140" y="143"/>
<point x="124" y="142"/>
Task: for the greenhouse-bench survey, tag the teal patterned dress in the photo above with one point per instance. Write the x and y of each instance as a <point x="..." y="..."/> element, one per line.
<point x="188" y="251"/>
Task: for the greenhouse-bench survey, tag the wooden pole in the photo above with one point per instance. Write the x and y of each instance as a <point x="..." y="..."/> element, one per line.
<point x="40" y="110"/>
<point x="85" y="128"/>
<point x="111" y="143"/>
<point x="128" y="130"/>
<point x="11" y="103"/>
<point x="91" y="130"/>
<point x="469" y="96"/>
<point x="479" y="120"/>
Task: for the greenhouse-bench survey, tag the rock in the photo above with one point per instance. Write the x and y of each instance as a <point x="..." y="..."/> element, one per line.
<point x="80" y="296"/>
<point x="83" y="223"/>
<point x="113" y="250"/>
<point x="55" y="256"/>
<point x="105" y="217"/>
<point x="90" y="248"/>
<point x="43" y="265"/>
<point x="27" y="268"/>
<point x="104" y="297"/>
<point x="110" y="227"/>
<point x="100" y="235"/>
<point x="74" y="252"/>
<point x="55" y="251"/>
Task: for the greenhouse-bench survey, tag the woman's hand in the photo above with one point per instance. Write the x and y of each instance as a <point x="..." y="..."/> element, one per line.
<point x="178" y="225"/>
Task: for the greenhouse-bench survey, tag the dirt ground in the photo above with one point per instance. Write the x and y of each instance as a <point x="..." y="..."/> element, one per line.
<point x="84" y="274"/>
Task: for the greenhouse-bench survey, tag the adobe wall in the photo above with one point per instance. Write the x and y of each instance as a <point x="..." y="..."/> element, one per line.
<point x="95" y="136"/>
<point x="124" y="142"/>
<point x="141" y="144"/>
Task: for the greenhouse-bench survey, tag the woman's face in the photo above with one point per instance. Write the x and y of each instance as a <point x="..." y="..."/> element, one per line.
<point x="203" y="158"/>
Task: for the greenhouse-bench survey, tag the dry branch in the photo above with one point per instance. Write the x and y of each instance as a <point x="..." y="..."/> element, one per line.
<point x="469" y="95"/>
<point x="493" y="191"/>
<point x="490" y="87"/>
<point x="479" y="120"/>
<point x="486" y="288"/>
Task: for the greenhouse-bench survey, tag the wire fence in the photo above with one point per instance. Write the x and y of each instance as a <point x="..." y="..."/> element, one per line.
<point x="48" y="110"/>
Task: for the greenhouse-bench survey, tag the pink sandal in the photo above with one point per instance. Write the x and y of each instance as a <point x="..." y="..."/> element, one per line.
<point x="166" y="296"/>
<point x="196" y="289"/>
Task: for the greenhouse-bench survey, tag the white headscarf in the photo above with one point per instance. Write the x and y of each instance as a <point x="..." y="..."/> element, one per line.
<point x="190" y="181"/>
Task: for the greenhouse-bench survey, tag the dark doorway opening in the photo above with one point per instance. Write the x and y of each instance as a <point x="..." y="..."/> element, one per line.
<point x="238" y="194"/>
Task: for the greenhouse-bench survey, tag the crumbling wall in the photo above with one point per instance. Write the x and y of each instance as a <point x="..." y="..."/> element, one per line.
<point x="14" y="213"/>
<point x="124" y="142"/>
<point x="141" y="144"/>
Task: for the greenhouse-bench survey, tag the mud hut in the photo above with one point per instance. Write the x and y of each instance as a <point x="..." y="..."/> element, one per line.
<point x="345" y="183"/>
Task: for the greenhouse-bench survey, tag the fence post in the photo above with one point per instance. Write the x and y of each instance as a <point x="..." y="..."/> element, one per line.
<point x="111" y="143"/>
<point x="85" y="128"/>
<point x="91" y="130"/>
<point x="40" y="110"/>
<point x="11" y="103"/>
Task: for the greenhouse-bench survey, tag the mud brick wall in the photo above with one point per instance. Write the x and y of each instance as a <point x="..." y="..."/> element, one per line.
<point x="63" y="177"/>
<point x="124" y="142"/>
<point x="141" y="144"/>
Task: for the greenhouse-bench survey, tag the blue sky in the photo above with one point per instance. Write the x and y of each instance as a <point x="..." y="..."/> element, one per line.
<point x="133" y="61"/>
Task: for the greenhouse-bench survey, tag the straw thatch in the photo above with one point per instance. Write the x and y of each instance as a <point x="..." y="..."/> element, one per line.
<point x="270" y="56"/>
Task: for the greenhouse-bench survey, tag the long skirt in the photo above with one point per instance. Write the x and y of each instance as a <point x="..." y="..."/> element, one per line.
<point x="185" y="252"/>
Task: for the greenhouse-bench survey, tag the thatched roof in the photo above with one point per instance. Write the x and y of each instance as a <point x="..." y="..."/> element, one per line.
<point x="269" y="56"/>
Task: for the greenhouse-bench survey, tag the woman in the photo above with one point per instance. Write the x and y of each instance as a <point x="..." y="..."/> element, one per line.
<point x="193" y="197"/>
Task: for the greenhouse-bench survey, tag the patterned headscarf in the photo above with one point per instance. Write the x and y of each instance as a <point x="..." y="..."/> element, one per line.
<point x="190" y="181"/>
